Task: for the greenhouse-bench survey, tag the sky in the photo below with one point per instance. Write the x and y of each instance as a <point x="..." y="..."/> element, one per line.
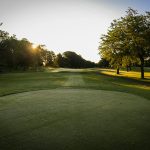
<point x="65" y="25"/>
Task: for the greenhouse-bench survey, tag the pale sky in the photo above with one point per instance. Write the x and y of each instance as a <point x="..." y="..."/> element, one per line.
<point x="65" y="25"/>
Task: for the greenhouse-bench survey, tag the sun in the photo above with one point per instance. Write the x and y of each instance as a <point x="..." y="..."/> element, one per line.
<point x="34" y="46"/>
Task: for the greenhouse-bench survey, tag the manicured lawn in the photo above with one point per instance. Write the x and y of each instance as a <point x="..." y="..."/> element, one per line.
<point x="79" y="78"/>
<point x="66" y="109"/>
<point x="135" y="74"/>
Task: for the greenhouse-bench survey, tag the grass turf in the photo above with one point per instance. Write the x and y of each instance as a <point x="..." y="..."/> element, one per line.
<point x="74" y="109"/>
<point x="72" y="119"/>
<point x="82" y="78"/>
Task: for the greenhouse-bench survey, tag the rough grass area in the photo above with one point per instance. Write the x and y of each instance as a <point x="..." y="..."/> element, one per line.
<point x="74" y="109"/>
<point x="73" y="119"/>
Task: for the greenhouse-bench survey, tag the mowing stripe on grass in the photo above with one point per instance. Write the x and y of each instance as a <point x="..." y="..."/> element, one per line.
<point x="75" y="80"/>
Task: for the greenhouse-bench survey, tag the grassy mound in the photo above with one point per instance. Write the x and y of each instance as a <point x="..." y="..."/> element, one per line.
<point x="74" y="119"/>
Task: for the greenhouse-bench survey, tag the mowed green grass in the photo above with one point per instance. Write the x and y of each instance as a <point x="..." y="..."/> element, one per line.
<point x="71" y="78"/>
<point x="65" y="109"/>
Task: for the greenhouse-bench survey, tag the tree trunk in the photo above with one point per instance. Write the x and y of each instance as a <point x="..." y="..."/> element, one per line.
<point x="142" y="67"/>
<point x="127" y="68"/>
<point x="117" y="70"/>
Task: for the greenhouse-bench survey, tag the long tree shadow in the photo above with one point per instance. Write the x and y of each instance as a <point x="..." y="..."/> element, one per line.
<point x="104" y="81"/>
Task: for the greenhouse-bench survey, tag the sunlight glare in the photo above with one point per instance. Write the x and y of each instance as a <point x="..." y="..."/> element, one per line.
<point x="34" y="46"/>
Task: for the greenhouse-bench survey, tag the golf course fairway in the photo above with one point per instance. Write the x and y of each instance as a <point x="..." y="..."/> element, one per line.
<point x="74" y="119"/>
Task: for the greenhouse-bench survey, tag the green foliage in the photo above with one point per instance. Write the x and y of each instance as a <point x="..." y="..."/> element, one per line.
<point x="74" y="60"/>
<point x="147" y="62"/>
<point x="22" y="54"/>
<point x="47" y="57"/>
<point x="60" y="61"/>
<point x="127" y="40"/>
<point x="70" y="59"/>
<point x="103" y="63"/>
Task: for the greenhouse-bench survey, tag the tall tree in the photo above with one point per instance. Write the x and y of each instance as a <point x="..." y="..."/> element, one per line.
<point x="128" y="36"/>
<point x="137" y="28"/>
<point x="111" y="48"/>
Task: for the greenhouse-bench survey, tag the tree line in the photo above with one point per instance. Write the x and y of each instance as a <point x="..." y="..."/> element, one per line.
<point x="126" y="44"/>
<point x="21" y="54"/>
<point x="127" y="41"/>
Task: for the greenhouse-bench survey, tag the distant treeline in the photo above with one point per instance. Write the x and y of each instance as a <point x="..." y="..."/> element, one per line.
<point x="23" y="55"/>
<point x="72" y="60"/>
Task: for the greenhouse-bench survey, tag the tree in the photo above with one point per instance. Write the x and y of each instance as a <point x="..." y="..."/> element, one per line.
<point x="128" y="61"/>
<point x="44" y="56"/>
<point x="137" y="32"/>
<point x="103" y="63"/>
<point x="73" y="60"/>
<point x="3" y="49"/>
<point x="70" y="59"/>
<point x="128" y="36"/>
<point x="111" y="48"/>
<point x="21" y="54"/>
<point x="60" y="61"/>
<point x="147" y="62"/>
<point x="3" y="34"/>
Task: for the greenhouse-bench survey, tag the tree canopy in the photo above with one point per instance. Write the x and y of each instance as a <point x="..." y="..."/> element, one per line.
<point x="70" y="59"/>
<point x="21" y="54"/>
<point x="127" y="40"/>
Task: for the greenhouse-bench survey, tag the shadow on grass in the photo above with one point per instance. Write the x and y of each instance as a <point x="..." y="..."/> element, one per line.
<point x="128" y="85"/>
